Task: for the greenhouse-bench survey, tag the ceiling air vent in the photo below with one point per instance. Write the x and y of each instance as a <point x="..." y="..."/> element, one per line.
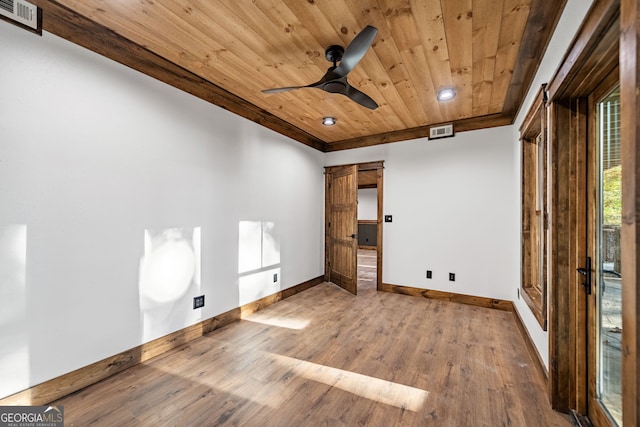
<point x="441" y="131"/>
<point x="21" y="12"/>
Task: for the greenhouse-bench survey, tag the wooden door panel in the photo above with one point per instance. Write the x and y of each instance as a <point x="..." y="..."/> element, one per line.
<point x="341" y="261"/>
<point x="341" y="227"/>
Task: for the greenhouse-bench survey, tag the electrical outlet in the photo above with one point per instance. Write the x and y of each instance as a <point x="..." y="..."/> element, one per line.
<point x="429" y="274"/>
<point x="452" y="277"/>
<point x="275" y="277"/>
<point x="198" y="302"/>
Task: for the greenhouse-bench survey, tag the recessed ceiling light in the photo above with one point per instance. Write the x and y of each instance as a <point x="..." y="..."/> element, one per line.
<point x="328" y="121"/>
<point x="446" y="94"/>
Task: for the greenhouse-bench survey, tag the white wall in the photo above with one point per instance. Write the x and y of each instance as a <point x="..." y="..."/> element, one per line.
<point x="92" y="155"/>
<point x="451" y="204"/>
<point x="367" y="204"/>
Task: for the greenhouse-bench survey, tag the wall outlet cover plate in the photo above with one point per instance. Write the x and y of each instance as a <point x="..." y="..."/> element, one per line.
<point x="198" y="302"/>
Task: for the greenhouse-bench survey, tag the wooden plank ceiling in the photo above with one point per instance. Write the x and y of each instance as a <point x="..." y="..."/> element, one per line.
<point x="228" y="51"/>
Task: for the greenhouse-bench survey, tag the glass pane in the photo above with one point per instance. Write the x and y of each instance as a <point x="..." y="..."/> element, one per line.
<point x="609" y="277"/>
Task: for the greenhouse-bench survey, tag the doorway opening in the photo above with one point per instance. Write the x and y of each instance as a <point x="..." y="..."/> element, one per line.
<point x="353" y="226"/>
<point x="367" y="237"/>
<point x="367" y="260"/>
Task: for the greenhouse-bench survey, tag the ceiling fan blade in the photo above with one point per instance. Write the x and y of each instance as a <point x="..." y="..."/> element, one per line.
<point x="317" y="84"/>
<point x="356" y="50"/>
<point x="361" y="98"/>
<point x="282" y="89"/>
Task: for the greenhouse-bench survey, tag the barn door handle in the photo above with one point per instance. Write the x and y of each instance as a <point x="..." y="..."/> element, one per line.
<point x="354" y="236"/>
<point x="586" y="272"/>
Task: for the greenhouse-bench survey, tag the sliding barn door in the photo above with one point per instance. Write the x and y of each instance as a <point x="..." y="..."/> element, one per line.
<point x="341" y="229"/>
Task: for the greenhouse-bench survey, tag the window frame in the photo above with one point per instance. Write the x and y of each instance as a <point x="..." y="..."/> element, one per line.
<point x="534" y="162"/>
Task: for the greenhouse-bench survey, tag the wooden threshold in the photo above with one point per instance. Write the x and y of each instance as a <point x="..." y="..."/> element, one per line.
<point x="63" y="385"/>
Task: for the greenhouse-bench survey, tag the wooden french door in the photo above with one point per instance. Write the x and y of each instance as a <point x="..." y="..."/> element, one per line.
<point x="341" y="227"/>
<point x="582" y="338"/>
<point x="601" y="273"/>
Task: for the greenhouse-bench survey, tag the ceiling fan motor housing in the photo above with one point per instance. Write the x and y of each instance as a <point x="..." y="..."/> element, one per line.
<point x="334" y="53"/>
<point x="335" y="86"/>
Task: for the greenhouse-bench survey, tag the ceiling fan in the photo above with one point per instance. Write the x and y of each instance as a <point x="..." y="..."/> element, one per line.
<point x="335" y="79"/>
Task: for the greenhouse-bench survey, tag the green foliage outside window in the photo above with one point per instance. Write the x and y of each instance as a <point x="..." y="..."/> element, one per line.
<point x="612" y="196"/>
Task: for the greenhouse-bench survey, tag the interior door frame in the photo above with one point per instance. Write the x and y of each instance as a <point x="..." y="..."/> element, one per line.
<point x="369" y="174"/>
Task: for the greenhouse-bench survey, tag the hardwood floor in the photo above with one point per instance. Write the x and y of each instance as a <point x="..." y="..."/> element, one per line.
<point x="327" y="358"/>
<point x="367" y="269"/>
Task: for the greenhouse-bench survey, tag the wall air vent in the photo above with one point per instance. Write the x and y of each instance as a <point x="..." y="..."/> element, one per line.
<point x="21" y="12"/>
<point x="441" y="131"/>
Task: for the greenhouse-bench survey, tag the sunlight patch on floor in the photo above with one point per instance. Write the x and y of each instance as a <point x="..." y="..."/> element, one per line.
<point x="382" y="391"/>
<point x="233" y="382"/>
<point x="280" y="322"/>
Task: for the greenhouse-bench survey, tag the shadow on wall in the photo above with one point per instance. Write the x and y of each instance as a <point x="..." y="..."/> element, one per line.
<point x="14" y="351"/>
<point x="258" y="260"/>
<point x="169" y="279"/>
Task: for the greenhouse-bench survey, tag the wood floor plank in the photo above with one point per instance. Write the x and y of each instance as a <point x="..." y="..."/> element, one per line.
<point x="326" y="357"/>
